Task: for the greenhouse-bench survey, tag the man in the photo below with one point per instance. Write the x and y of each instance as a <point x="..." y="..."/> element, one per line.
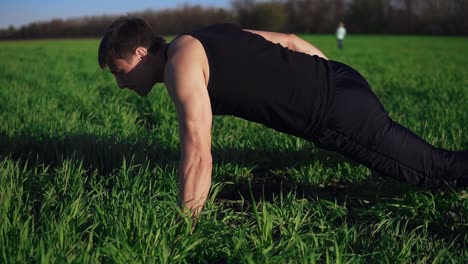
<point x="275" y="79"/>
<point x="340" y="35"/>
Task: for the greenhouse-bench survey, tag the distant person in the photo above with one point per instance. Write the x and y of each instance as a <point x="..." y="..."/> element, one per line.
<point x="291" y="87"/>
<point x="340" y="34"/>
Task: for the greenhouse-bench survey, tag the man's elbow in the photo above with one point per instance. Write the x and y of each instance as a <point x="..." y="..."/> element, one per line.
<point x="291" y="40"/>
<point x="292" y="36"/>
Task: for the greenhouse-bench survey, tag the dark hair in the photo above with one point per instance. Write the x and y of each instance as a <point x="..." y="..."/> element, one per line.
<point x="122" y="38"/>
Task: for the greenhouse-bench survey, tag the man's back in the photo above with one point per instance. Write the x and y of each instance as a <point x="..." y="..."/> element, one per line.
<point x="255" y="79"/>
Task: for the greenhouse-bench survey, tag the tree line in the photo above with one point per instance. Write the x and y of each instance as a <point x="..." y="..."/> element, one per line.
<point x="443" y="17"/>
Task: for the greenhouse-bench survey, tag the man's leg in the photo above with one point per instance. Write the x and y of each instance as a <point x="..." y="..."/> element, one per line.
<point x="360" y="128"/>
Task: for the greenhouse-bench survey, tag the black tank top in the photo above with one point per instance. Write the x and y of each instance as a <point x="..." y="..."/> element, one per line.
<point x="258" y="80"/>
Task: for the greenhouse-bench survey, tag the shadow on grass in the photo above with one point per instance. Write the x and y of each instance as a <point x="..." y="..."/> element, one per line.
<point x="376" y="200"/>
<point x="266" y="185"/>
<point x="102" y="154"/>
<point x="108" y="154"/>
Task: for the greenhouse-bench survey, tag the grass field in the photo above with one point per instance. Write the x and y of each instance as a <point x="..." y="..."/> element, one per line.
<point x="88" y="173"/>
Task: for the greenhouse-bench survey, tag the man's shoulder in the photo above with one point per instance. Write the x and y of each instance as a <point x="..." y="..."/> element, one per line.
<point x="183" y="47"/>
<point x="185" y="60"/>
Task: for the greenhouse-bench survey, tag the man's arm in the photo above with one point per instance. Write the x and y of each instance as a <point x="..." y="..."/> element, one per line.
<point x="187" y="87"/>
<point x="290" y="41"/>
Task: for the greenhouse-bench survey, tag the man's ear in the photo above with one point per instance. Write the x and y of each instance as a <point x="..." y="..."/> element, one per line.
<point x="141" y="52"/>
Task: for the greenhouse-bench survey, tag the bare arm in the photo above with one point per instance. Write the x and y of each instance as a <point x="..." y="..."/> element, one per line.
<point x="290" y="41"/>
<point x="187" y="87"/>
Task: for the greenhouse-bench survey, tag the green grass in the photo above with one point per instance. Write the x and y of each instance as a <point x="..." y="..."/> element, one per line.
<point x="88" y="173"/>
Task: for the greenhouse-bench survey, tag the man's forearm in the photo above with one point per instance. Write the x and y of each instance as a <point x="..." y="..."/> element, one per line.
<point x="194" y="183"/>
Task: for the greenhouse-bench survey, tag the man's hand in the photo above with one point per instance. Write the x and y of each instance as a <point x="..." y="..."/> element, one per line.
<point x="290" y="41"/>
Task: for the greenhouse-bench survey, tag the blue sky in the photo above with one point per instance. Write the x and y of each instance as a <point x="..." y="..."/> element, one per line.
<point x="20" y="12"/>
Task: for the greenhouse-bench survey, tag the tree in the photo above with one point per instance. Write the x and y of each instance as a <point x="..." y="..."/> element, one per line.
<point x="368" y="16"/>
<point x="269" y="16"/>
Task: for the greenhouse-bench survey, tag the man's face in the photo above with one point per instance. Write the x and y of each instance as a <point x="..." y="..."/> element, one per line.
<point x="134" y="74"/>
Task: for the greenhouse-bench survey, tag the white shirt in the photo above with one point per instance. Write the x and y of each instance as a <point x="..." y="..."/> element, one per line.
<point x="340" y="33"/>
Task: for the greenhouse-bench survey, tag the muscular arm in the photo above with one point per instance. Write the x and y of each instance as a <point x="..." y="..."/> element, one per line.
<point x="187" y="87"/>
<point x="290" y="41"/>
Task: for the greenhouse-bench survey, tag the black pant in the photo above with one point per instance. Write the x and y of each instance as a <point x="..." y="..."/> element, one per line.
<point x="359" y="128"/>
